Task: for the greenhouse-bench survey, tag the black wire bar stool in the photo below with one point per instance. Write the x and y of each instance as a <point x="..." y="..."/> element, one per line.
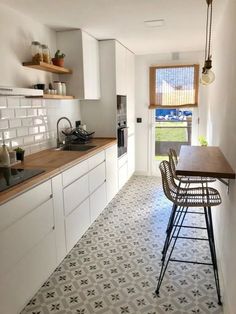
<point x="184" y="181"/>
<point x="183" y="199"/>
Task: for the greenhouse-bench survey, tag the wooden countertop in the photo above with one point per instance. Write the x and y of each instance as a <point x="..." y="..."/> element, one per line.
<point x="53" y="162"/>
<point x="205" y="161"/>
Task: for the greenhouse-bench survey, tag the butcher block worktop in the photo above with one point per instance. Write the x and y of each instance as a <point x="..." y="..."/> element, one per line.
<point x="53" y="162"/>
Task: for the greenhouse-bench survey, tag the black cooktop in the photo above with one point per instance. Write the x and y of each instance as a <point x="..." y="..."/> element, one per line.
<point x="11" y="176"/>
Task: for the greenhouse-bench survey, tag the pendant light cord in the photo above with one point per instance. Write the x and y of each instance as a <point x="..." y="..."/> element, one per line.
<point x="210" y="27"/>
<point x="208" y="32"/>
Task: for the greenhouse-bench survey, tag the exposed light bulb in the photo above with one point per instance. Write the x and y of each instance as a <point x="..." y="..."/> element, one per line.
<point x="208" y="77"/>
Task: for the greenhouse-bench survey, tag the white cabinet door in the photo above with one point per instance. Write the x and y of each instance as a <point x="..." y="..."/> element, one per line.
<point x="91" y="67"/>
<point x="121" y="75"/>
<point x="82" y="56"/>
<point x="130" y="68"/>
<point x="131" y="155"/>
<point x="74" y="172"/>
<point x="19" y="284"/>
<point x="76" y="224"/>
<point x="98" y="201"/>
<point x="111" y="172"/>
<point x="123" y="174"/>
<point x="75" y="194"/>
<point x="96" y="177"/>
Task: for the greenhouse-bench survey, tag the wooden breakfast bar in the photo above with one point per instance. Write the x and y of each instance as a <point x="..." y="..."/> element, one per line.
<point x="204" y="161"/>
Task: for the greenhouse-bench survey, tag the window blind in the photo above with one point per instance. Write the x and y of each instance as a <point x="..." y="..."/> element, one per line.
<point x="174" y="86"/>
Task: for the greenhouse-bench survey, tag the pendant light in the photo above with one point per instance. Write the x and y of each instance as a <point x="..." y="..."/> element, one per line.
<point x="208" y="75"/>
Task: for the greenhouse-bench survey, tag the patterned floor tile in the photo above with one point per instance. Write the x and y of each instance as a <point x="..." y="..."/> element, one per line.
<point x="114" y="267"/>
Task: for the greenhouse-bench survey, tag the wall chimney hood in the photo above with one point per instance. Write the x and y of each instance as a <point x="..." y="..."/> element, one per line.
<point x="17" y="91"/>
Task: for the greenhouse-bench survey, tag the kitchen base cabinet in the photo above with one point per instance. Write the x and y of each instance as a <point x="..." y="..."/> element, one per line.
<point x="19" y="284"/>
<point x="76" y="224"/>
<point x="111" y="172"/>
<point x="98" y="201"/>
<point x="131" y="155"/>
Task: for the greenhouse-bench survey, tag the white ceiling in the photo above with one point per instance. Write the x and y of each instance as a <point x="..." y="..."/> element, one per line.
<point x="124" y="20"/>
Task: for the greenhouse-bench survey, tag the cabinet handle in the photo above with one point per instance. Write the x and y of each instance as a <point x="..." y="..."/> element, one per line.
<point x="51" y="195"/>
<point x="53" y="228"/>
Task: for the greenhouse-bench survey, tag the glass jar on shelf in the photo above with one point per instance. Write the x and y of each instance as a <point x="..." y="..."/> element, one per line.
<point x="36" y="51"/>
<point x="46" y="54"/>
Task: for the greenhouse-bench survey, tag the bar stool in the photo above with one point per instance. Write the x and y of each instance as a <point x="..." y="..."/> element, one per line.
<point x="183" y="198"/>
<point x="184" y="181"/>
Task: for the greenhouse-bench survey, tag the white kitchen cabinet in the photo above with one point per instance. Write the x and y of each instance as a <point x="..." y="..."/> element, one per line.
<point x="98" y="201"/>
<point x="75" y="172"/>
<point x="95" y="160"/>
<point x="27" y="245"/>
<point x="131" y="155"/>
<point x="75" y="193"/>
<point x="82" y="56"/>
<point x="77" y="223"/>
<point x="123" y="175"/>
<point x="130" y="73"/>
<point x="121" y="74"/>
<point x="111" y="172"/>
<point x="96" y="177"/>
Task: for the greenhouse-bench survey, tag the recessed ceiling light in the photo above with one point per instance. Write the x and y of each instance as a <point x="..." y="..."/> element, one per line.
<point x="155" y="23"/>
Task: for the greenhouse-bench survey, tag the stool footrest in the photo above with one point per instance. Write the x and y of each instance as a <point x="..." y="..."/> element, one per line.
<point x="189" y="262"/>
<point x="190" y="238"/>
<point x="190" y="227"/>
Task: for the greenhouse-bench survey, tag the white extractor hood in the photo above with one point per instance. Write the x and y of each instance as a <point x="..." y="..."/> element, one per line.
<point x="17" y="91"/>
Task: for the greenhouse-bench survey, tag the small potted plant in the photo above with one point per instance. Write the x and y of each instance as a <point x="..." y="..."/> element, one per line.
<point x="202" y="140"/>
<point x="19" y="153"/>
<point x="58" y="59"/>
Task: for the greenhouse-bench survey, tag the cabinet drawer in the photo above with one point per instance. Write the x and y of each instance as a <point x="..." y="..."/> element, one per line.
<point x="96" y="160"/>
<point x="16" y="208"/>
<point x="123" y="175"/>
<point x="75" y="193"/>
<point x="96" y="177"/>
<point x="122" y="160"/>
<point x="74" y="173"/>
<point x="27" y="276"/>
<point x="76" y="224"/>
<point x="22" y="236"/>
<point x="98" y="201"/>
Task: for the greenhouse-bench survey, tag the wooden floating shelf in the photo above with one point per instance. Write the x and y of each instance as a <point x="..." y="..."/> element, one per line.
<point x="49" y="96"/>
<point x="43" y="66"/>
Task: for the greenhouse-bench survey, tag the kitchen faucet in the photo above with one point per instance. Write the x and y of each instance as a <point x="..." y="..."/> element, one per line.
<point x="58" y="137"/>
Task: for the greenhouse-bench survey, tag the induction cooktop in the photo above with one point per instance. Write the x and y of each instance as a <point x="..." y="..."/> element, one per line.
<point x="11" y="176"/>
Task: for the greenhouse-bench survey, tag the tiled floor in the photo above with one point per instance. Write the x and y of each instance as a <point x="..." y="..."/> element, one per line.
<point x="113" y="269"/>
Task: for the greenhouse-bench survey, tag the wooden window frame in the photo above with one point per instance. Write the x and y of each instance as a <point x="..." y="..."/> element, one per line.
<point x="152" y="85"/>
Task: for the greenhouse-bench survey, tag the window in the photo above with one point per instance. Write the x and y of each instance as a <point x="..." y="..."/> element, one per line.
<point x="174" y="86"/>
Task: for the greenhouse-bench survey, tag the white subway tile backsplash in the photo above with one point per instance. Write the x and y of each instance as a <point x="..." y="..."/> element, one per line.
<point x="42" y="112"/>
<point x="28" y="140"/>
<point x="37" y="102"/>
<point x="3" y="101"/>
<point x="25" y="102"/>
<point x="33" y="130"/>
<point x="3" y="124"/>
<point x="39" y="137"/>
<point x="20" y="113"/>
<point x="13" y="102"/>
<point x="17" y="142"/>
<point x="22" y="131"/>
<point x="7" y="114"/>
<point x="42" y="128"/>
<point x="9" y="134"/>
<point x="38" y="121"/>
<point x="31" y="123"/>
<point x="27" y="122"/>
<point x="15" y="123"/>
<point x="32" y="112"/>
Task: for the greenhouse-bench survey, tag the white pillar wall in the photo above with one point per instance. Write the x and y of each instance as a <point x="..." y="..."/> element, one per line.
<point x="221" y="130"/>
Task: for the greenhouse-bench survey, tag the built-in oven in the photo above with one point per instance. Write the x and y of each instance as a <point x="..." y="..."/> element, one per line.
<point x="122" y="129"/>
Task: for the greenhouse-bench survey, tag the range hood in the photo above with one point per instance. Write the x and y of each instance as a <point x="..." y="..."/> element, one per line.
<point x="17" y="91"/>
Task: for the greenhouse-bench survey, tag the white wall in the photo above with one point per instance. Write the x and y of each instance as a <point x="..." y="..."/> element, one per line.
<point x="17" y="31"/>
<point x="143" y="145"/>
<point x="222" y="132"/>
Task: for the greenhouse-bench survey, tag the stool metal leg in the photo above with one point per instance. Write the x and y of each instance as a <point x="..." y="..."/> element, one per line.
<point x="165" y="265"/>
<point x="210" y="232"/>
